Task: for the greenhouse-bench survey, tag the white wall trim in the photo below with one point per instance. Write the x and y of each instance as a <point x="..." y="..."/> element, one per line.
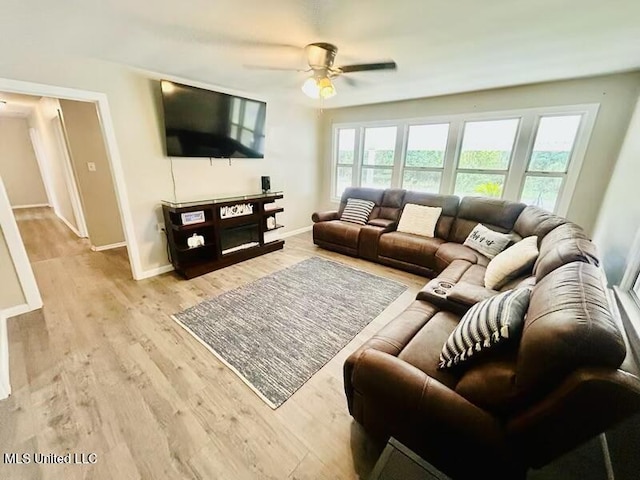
<point x="297" y="231"/>
<point x="5" y="382"/>
<point x="68" y="224"/>
<point x="17" y="310"/>
<point x="35" y="205"/>
<point x="108" y="247"/>
<point x="155" y="271"/>
<point x="18" y="252"/>
<point x="117" y="172"/>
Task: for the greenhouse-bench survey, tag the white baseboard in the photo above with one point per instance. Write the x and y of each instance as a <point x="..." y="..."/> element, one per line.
<point x="68" y="224"/>
<point x="35" y="205"/>
<point x="17" y="310"/>
<point x="108" y="247"/>
<point x="155" y="271"/>
<point x="297" y="231"/>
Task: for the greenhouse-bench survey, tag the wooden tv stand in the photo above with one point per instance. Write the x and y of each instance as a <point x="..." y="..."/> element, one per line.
<point x="233" y="228"/>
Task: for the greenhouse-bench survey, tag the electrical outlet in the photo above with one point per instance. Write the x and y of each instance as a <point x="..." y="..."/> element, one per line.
<point x="91" y="166"/>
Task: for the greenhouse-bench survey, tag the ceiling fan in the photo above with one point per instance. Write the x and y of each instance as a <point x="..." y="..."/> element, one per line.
<point x="321" y="57"/>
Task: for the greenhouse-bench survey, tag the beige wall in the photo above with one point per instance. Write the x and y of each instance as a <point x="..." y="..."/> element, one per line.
<point x="291" y="155"/>
<point x="11" y="293"/>
<point x="616" y="95"/>
<point x="619" y="218"/>
<point x="96" y="187"/>
<point x="45" y="121"/>
<point x="18" y="165"/>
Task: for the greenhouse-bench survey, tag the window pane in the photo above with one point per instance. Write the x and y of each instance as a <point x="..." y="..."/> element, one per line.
<point x="346" y="145"/>
<point x="421" y="181"/>
<point x="251" y="115"/>
<point x="234" y="131"/>
<point x="541" y="191"/>
<point x="488" y="145"/>
<point x="343" y="179"/>
<point x="246" y="138"/>
<point x="554" y="142"/>
<point x="426" y="145"/>
<point x="479" y="184"/>
<point x="379" y="146"/>
<point x="235" y="110"/>
<point x="376" y="177"/>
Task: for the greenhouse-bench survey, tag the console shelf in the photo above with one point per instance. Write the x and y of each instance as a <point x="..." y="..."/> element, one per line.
<point x="224" y="223"/>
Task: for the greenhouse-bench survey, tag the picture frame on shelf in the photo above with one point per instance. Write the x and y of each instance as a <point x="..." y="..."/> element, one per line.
<point x="192" y="218"/>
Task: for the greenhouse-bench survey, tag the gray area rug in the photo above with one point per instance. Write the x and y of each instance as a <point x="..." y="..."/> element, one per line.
<point x="279" y="330"/>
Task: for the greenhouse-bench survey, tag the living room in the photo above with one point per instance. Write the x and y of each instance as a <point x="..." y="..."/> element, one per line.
<point x="472" y="63"/>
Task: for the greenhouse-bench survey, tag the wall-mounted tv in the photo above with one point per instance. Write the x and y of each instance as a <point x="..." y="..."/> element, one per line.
<point x="203" y="123"/>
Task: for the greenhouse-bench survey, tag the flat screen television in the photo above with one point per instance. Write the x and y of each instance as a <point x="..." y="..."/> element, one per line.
<point x="203" y="123"/>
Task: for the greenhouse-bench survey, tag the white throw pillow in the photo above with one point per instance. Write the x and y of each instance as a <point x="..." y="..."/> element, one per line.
<point x="486" y="241"/>
<point x="419" y="219"/>
<point x="511" y="263"/>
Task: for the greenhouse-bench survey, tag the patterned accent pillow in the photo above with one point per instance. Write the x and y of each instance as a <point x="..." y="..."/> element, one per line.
<point x="419" y="219"/>
<point x="486" y="241"/>
<point x="357" y="211"/>
<point x="486" y="324"/>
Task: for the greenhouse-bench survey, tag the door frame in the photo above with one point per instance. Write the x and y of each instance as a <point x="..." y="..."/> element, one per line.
<point x="113" y="153"/>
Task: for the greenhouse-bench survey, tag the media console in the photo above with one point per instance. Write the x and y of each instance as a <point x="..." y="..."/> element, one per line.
<point x="206" y="235"/>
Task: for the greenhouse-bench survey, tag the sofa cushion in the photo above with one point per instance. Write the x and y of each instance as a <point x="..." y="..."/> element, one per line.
<point x="511" y="263"/>
<point x="357" y="211"/>
<point x="449" y="252"/>
<point x="486" y="324"/>
<point x="448" y="203"/>
<point x="486" y="241"/>
<point x="391" y="204"/>
<point x="419" y="219"/>
<point x="564" y="244"/>
<point x="568" y="326"/>
<point x="424" y="348"/>
<point x="337" y="232"/>
<point x="496" y="214"/>
<point x="409" y="248"/>
<point x="534" y="221"/>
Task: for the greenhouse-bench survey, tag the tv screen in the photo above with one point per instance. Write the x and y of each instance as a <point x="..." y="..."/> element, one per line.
<point x="203" y="123"/>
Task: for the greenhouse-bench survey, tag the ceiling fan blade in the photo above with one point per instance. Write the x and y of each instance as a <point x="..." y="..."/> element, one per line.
<point x="365" y="67"/>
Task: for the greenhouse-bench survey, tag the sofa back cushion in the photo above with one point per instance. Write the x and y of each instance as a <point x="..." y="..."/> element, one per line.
<point x="391" y="204"/>
<point x="448" y="203"/>
<point x="498" y="215"/>
<point x="372" y="194"/>
<point x="564" y="244"/>
<point x="569" y="325"/>
<point x="534" y="221"/>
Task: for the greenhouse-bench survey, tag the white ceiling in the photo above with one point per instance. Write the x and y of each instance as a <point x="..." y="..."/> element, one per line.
<point x="440" y="46"/>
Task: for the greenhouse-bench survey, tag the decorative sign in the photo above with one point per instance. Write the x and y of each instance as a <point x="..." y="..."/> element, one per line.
<point x="190" y="218"/>
<point x="236" y="210"/>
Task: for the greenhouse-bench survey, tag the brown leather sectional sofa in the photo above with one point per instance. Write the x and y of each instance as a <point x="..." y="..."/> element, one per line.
<point x="568" y="378"/>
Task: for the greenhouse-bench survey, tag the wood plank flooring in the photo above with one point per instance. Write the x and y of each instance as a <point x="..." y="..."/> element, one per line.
<point x="103" y="369"/>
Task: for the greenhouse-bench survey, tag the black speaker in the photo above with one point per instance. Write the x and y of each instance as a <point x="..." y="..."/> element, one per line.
<point x="266" y="184"/>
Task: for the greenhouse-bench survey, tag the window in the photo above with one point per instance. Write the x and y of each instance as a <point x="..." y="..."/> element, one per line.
<point x="485" y="157"/>
<point x="549" y="160"/>
<point x="531" y="155"/>
<point x="378" y="157"/>
<point x="424" y="157"/>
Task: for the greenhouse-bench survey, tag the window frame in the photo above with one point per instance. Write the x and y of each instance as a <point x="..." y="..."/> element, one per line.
<point x="405" y="148"/>
<point x="522" y="150"/>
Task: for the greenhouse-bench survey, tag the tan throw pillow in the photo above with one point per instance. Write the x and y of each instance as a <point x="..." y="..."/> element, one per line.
<point x="419" y="219"/>
<point x="511" y="263"/>
<point x="486" y="241"/>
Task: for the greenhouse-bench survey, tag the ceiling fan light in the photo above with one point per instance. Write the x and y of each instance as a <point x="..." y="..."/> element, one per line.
<point x="327" y="90"/>
<point x="310" y="88"/>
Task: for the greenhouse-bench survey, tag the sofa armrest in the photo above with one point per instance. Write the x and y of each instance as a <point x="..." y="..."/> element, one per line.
<point x="586" y="403"/>
<point x="469" y="294"/>
<point x="388" y="225"/>
<point x="324" y="216"/>
<point x="395" y="398"/>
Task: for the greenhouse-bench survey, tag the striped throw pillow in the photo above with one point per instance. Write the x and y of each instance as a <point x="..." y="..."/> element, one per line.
<point x="486" y="324"/>
<point x="357" y="211"/>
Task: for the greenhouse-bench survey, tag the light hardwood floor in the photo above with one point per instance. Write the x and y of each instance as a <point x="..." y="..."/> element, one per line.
<point x="103" y="369"/>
